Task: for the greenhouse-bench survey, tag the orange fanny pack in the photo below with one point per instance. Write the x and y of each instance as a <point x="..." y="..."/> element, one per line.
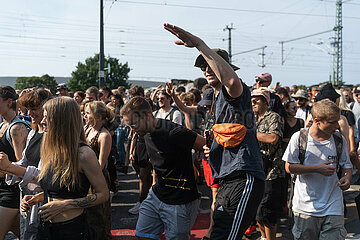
<point x="229" y="134"/>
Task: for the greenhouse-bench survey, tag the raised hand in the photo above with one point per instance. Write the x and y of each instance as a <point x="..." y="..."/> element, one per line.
<point x="170" y="89"/>
<point x="187" y="39"/>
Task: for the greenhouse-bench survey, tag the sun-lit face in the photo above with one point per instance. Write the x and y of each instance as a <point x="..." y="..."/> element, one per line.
<point x="330" y="125"/>
<point x="258" y="104"/>
<point x="90" y="121"/>
<point x="90" y="97"/>
<point x="77" y="98"/>
<point x="291" y="109"/>
<point x="44" y="121"/>
<point x="137" y="123"/>
<point x="163" y="101"/>
<point x="209" y="75"/>
<point x="36" y="114"/>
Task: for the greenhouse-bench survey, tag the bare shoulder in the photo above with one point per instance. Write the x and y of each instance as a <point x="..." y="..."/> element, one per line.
<point x="18" y="129"/>
<point x="104" y="135"/>
<point x="86" y="154"/>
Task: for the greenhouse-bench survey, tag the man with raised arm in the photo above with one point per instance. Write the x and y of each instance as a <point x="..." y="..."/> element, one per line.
<point x="235" y="161"/>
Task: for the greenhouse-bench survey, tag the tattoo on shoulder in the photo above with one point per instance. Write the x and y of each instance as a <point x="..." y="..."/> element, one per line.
<point x="87" y="202"/>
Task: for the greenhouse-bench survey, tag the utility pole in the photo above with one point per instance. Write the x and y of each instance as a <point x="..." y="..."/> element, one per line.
<point x="295" y="39"/>
<point x="101" y="55"/>
<point x="262" y="54"/>
<point x="338" y="43"/>
<point x="229" y="39"/>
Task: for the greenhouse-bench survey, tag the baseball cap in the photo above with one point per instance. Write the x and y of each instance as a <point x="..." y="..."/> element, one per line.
<point x="263" y="92"/>
<point x="207" y="98"/>
<point x="224" y="54"/>
<point x="266" y="77"/>
<point x="61" y="86"/>
<point x="357" y="90"/>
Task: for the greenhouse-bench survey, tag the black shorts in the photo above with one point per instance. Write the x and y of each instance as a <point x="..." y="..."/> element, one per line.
<point x="270" y="208"/>
<point x="73" y="229"/>
<point x="236" y="203"/>
<point x="9" y="195"/>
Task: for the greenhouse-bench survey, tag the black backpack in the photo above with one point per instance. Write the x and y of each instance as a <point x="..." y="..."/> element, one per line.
<point x="171" y="115"/>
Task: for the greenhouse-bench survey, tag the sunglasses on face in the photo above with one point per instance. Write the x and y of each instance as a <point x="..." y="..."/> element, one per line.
<point x="300" y="99"/>
<point x="357" y="95"/>
<point x="160" y="98"/>
<point x="203" y="67"/>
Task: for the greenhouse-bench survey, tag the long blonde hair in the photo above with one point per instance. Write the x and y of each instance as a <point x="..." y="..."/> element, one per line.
<point x="60" y="146"/>
<point x="342" y="102"/>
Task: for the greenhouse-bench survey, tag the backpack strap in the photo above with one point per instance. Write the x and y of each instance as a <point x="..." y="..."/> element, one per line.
<point x="8" y="136"/>
<point x="352" y="105"/>
<point x="339" y="145"/>
<point x="303" y="138"/>
<point x="156" y="113"/>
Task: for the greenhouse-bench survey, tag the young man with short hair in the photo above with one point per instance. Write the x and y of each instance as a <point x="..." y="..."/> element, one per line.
<point x="172" y="203"/>
<point x="318" y="200"/>
<point x="238" y="168"/>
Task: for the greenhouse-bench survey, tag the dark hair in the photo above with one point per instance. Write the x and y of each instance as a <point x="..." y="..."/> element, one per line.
<point x="118" y="97"/>
<point x="180" y="89"/>
<point x="106" y="89"/>
<point x="81" y="94"/>
<point x="136" y="91"/>
<point x="93" y="90"/>
<point x="197" y="94"/>
<point x="282" y="90"/>
<point x="7" y="92"/>
<point x="137" y="105"/>
<point x="35" y="98"/>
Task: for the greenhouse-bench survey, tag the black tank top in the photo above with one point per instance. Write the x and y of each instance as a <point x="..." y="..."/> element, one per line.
<point x="54" y="190"/>
<point x="32" y="151"/>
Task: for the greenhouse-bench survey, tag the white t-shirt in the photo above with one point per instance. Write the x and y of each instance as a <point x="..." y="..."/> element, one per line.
<point x="177" y="117"/>
<point x="301" y="113"/>
<point x="314" y="193"/>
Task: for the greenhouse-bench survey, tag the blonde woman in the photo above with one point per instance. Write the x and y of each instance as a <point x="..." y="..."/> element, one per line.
<point x="67" y="168"/>
<point x="100" y="141"/>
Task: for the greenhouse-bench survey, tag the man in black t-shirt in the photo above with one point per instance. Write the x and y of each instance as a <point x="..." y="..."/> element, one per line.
<point x="172" y="203"/>
<point x="238" y="167"/>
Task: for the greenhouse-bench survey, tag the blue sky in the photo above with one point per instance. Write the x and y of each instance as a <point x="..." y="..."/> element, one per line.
<point x="39" y="37"/>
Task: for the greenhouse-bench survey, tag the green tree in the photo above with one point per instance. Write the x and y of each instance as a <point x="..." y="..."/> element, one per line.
<point x="44" y="81"/>
<point x="87" y="74"/>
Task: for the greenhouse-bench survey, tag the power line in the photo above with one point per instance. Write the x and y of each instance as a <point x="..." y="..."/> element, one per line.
<point x="234" y="9"/>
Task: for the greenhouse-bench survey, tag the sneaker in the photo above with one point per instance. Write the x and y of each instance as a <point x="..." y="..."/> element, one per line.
<point x="135" y="209"/>
<point x="250" y="230"/>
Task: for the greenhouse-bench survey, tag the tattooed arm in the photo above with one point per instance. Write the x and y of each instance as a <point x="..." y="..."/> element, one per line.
<point x="91" y="168"/>
<point x="18" y="135"/>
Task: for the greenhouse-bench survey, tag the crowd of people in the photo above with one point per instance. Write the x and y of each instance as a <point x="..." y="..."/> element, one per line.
<point x="60" y="155"/>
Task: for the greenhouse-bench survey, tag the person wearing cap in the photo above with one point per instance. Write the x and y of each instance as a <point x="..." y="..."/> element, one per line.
<point x="302" y="98"/>
<point x="62" y="90"/>
<point x="269" y="134"/>
<point x="264" y="80"/>
<point x="238" y="168"/>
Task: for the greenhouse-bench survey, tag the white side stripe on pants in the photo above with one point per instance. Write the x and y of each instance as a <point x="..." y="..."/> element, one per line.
<point x="240" y="211"/>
